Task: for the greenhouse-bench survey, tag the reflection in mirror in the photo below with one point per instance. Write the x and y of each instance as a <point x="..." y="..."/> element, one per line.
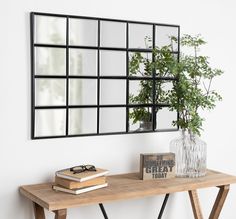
<point x="50" y="92"/>
<point x="83" y="62"/>
<point x="83" y="32"/>
<point x="112" y="91"/>
<point x="140" y="36"/>
<point x="163" y="34"/>
<point x="140" y="91"/>
<point x="82" y="121"/>
<point x="140" y="119"/>
<point x="50" y="30"/>
<point x="163" y="71"/>
<point x="112" y="63"/>
<point x="112" y="119"/>
<point x="164" y="118"/>
<point x="163" y="88"/>
<point x="175" y="56"/>
<point x="82" y="92"/>
<point x="113" y="34"/>
<point x="50" y="122"/>
<point x="91" y="76"/>
<point x="50" y="61"/>
<point x="140" y="64"/>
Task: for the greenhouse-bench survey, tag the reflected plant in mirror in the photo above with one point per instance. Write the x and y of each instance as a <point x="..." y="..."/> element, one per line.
<point x="154" y="65"/>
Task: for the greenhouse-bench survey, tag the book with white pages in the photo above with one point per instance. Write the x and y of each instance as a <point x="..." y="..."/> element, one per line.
<point x="79" y="191"/>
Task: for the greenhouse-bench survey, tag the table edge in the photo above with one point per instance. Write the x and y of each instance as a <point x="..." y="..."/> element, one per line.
<point x="54" y="206"/>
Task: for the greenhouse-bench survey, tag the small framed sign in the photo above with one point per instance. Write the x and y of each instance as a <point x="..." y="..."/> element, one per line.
<point x="157" y="166"/>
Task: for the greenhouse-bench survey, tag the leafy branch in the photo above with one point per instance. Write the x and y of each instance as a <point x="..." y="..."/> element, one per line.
<point x="193" y="90"/>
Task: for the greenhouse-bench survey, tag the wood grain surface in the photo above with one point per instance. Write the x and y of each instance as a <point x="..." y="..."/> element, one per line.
<point x="219" y="202"/>
<point x="121" y="187"/>
<point x="197" y="212"/>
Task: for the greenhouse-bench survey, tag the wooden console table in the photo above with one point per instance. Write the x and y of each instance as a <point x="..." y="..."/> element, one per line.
<point x="128" y="186"/>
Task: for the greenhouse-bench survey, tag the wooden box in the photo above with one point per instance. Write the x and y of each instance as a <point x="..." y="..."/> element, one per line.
<point x="157" y="166"/>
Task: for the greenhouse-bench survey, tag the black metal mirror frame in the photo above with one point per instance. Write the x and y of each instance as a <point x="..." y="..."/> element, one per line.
<point x="67" y="76"/>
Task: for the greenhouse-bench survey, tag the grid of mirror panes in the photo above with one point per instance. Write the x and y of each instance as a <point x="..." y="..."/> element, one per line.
<point x="81" y="84"/>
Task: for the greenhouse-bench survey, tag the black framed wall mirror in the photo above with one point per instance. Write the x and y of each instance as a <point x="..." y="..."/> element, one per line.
<point x="81" y="79"/>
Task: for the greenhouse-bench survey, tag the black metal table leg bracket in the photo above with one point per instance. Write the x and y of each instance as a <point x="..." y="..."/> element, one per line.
<point x="163" y="206"/>
<point x="159" y="216"/>
<point x="103" y="211"/>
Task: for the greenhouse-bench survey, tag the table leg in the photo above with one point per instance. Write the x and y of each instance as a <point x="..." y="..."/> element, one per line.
<point x="219" y="202"/>
<point x="195" y="204"/>
<point x="60" y="214"/>
<point x="103" y="211"/>
<point x="38" y="211"/>
<point x="163" y="206"/>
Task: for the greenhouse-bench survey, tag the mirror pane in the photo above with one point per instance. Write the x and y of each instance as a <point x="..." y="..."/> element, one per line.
<point x="112" y="63"/>
<point x="112" y="119"/>
<point x="83" y="32"/>
<point x="50" y="92"/>
<point x="163" y="34"/>
<point x="140" y="119"/>
<point x="163" y="88"/>
<point x="50" y="122"/>
<point x="82" y="121"/>
<point x="113" y="34"/>
<point x="50" y="30"/>
<point x="112" y="91"/>
<point x="164" y="118"/>
<point x="140" y="64"/>
<point x="175" y="56"/>
<point x="50" y="61"/>
<point x="83" y="62"/>
<point x="140" y="36"/>
<point x="82" y="91"/>
<point x="140" y="91"/>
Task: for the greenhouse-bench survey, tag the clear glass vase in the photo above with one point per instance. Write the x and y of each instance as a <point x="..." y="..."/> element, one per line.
<point x="190" y="155"/>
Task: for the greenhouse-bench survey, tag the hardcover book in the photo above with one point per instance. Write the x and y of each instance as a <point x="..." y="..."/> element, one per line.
<point x="70" y="184"/>
<point x="81" y="177"/>
<point x="78" y="191"/>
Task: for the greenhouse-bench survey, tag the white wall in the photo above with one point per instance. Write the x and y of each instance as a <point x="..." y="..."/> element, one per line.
<point x="23" y="161"/>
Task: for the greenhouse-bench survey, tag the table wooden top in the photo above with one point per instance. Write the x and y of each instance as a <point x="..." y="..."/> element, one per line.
<point x="121" y="187"/>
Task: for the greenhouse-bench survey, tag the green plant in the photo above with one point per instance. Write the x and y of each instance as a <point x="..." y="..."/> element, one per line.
<point x="193" y="91"/>
<point x="144" y="95"/>
<point x="145" y="65"/>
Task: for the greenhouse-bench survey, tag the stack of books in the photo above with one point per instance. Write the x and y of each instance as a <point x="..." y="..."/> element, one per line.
<point x="67" y="181"/>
